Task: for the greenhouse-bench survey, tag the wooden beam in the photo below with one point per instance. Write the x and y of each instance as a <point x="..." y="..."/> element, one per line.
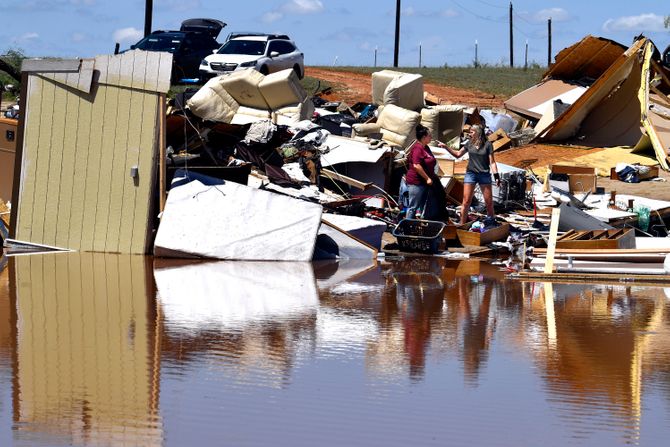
<point x="551" y="246"/>
<point x="332" y="175"/>
<point x="597" y="278"/>
<point x="663" y="96"/>
<point x="18" y="154"/>
<point x="51" y="66"/>
<point x="162" y="154"/>
<point x="659" y="69"/>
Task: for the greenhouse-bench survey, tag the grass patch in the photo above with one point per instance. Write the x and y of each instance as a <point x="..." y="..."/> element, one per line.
<point x="499" y="81"/>
<point x="314" y="85"/>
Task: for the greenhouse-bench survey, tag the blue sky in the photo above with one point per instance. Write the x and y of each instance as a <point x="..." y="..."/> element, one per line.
<point x="341" y="32"/>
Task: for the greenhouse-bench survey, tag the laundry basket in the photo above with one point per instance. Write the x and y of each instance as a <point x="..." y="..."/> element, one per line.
<point x="418" y="235"/>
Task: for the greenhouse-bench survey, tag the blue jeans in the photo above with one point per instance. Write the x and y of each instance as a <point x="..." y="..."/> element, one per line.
<point x="417" y="199"/>
<point x="483" y="178"/>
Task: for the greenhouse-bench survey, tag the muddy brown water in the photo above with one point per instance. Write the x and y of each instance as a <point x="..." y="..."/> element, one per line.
<point x="121" y="350"/>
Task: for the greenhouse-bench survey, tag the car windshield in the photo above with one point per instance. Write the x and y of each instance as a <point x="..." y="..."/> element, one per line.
<point x="252" y="47"/>
<point x="159" y="43"/>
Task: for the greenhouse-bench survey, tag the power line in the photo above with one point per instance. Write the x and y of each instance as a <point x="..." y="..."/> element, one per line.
<point x="492" y="5"/>
<point x="477" y="15"/>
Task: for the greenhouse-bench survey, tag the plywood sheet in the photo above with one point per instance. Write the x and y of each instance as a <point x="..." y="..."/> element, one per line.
<point x="590" y="57"/>
<point x="534" y="101"/>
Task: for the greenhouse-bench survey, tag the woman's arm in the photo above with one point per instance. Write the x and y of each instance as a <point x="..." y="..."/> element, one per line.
<point x="494" y="169"/>
<point x="419" y="169"/>
<point x="456" y="154"/>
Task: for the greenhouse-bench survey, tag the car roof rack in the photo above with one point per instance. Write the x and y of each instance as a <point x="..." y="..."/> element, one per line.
<point x="236" y="34"/>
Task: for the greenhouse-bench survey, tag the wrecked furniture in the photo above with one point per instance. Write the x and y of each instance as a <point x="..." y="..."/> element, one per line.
<point x="247" y="96"/>
<point x="445" y="123"/>
<point x="468" y="236"/>
<point x="92" y="133"/>
<point x="404" y="90"/>
<point x="395" y="124"/>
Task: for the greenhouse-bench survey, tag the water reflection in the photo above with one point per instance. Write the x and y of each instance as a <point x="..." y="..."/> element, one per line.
<point x="96" y="343"/>
<point x="86" y="357"/>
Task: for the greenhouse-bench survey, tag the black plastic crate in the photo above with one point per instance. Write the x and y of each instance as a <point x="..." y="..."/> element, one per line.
<point x="419" y="235"/>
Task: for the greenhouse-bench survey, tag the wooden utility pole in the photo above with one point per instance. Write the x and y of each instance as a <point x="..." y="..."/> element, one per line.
<point x="511" y="36"/>
<point x="549" y="42"/>
<point x="397" y="34"/>
<point x="525" y="59"/>
<point x="375" y="57"/>
<point x="419" y="54"/>
<point x="148" y="13"/>
<point x="476" y="56"/>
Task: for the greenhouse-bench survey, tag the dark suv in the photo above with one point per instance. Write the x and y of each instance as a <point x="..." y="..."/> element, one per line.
<point x="195" y="39"/>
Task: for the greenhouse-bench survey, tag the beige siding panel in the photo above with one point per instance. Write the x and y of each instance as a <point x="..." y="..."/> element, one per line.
<point x="126" y="61"/>
<point x="81" y="80"/>
<point x="29" y="164"/>
<point x="42" y="155"/>
<point x="79" y="162"/>
<point x="83" y="337"/>
<point x="63" y="217"/>
<point x="54" y="175"/>
<point x="136" y="126"/>
<point x="164" y="73"/>
<point x="147" y="168"/>
<point x="108" y="152"/>
<point x="92" y="173"/>
<point x="140" y="69"/>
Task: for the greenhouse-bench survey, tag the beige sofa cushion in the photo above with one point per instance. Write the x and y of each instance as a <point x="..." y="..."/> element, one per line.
<point x="293" y="114"/>
<point x="381" y="80"/>
<point x="405" y="91"/>
<point x="213" y="103"/>
<point x="445" y="123"/>
<point x="398" y="125"/>
<point x="246" y="115"/>
<point x="243" y="85"/>
<point x="282" y="89"/>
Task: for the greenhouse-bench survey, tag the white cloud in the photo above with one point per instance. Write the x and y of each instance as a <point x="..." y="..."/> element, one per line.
<point x="127" y="35"/>
<point x="28" y="36"/>
<point x="303" y="6"/>
<point x="272" y="16"/>
<point x="555" y="14"/>
<point x="643" y="22"/>
<point x="409" y="12"/>
<point x="447" y="13"/>
<point x="78" y="37"/>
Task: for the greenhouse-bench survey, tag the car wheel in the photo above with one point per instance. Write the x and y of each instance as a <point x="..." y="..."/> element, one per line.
<point x="297" y="70"/>
<point x="264" y="70"/>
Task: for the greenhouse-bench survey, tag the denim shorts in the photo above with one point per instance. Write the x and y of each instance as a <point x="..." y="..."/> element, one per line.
<point x="483" y="178"/>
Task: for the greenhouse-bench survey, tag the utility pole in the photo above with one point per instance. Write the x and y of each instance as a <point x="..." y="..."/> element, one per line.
<point x="397" y="34"/>
<point x="511" y="36"/>
<point x="419" y="54"/>
<point x="476" y="56"/>
<point x="549" y="42"/>
<point x="525" y="60"/>
<point x="375" y="56"/>
<point x="148" y="13"/>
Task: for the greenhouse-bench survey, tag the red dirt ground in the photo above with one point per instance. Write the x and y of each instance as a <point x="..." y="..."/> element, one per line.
<point x="357" y="87"/>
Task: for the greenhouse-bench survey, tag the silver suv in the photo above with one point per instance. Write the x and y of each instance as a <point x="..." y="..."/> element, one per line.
<point x="266" y="53"/>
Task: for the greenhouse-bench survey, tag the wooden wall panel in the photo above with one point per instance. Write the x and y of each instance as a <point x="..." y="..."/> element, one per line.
<point x="76" y="188"/>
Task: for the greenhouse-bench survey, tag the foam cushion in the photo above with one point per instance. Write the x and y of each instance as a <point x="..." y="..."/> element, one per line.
<point x="213" y="103"/>
<point x="242" y="85"/>
<point x="282" y="89"/>
<point x="246" y="115"/>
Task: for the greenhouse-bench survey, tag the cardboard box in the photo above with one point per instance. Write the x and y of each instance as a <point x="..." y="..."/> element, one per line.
<point x="473" y="238"/>
<point x="653" y="173"/>
<point x="581" y="179"/>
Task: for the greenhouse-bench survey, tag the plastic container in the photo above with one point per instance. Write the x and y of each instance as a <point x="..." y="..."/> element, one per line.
<point x="419" y="235"/>
<point x="642" y="217"/>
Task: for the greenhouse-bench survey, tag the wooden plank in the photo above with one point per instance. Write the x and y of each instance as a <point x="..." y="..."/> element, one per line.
<point x="54" y="176"/>
<point x="80" y="159"/>
<point x="50" y="65"/>
<point x="598" y="278"/>
<point x="135" y="126"/>
<point x="41" y="155"/>
<point x="662" y="95"/>
<point x="92" y="166"/>
<point x="67" y="174"/>
<point x="661" y="71"/>
<point x="551" y="248"/>
<point x="162" y="151"/>
<point x="327" y="173"/>
<point x="18" y="156"/>
<point x="147" y="167"/>
<point x="604" y="251"/>
<point x="108" y="148"/>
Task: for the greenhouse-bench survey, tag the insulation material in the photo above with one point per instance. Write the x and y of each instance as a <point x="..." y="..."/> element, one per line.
<point x="232" y="295"/>
<point x="72" y="137"/>
<point x="233" y="221"/>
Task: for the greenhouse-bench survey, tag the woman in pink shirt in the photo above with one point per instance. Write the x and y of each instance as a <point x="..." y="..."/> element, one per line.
<point x="420" y="172"/>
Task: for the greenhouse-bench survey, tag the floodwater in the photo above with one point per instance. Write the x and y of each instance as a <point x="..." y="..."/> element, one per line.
<point x="127" y="350"/>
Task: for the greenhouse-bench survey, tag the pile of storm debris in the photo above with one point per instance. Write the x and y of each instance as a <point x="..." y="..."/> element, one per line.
<point x="252" y="167"/>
